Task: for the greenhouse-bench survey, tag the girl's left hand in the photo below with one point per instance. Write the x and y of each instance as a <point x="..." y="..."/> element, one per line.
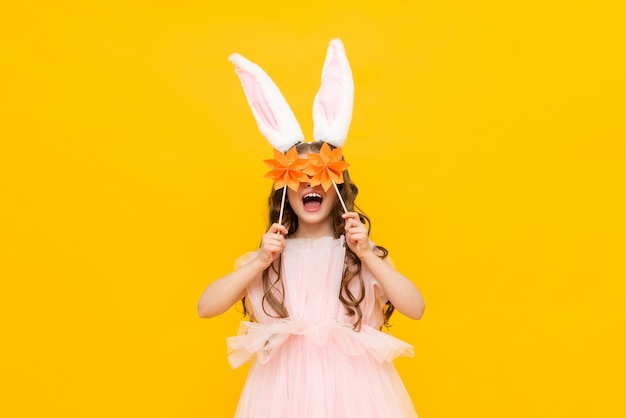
<point x="356" y="234"/>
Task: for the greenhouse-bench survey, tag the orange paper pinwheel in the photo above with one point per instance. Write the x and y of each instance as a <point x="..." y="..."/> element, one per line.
<point x="326" y="167"/>
<point x="287" y="169"/>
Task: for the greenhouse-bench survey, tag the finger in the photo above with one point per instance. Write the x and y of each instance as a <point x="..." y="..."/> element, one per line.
<point x="277" y="228"/>
<point x="353" y="225"/>
<point x="359" y="237"/>
<point x="357" y="220"/>
<point x="350" y="215"/>
<point x="274" y="247"/>
<point x="275" y="240"/>
<point x="356" y="229"/>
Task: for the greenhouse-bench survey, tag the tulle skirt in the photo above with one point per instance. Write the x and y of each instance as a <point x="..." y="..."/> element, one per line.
<point x="320" y="371"/>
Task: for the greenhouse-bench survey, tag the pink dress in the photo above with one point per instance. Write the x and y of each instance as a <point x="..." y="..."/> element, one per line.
<point x="313" y="364"/>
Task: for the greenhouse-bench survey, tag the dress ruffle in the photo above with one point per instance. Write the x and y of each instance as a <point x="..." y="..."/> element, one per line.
<point x="265" y="340"/>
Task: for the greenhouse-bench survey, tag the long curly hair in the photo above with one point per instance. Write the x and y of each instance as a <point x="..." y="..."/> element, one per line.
<point x="273" y="289"/>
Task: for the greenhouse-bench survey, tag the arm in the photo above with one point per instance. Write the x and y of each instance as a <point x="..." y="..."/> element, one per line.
<point x="223" y="293"/>
<point x="400" y="291"/>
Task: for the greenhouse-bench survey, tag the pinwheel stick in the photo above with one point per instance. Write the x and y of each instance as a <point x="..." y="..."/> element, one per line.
<point x="340" y="198"/>
<point x="282" y="205"/>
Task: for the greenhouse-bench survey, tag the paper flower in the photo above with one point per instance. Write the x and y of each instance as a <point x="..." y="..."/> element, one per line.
<point x="287" y="169"/>
<point x="326" y="167"/>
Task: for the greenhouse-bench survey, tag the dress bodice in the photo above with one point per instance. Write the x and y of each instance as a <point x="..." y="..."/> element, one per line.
<point x="311" y="274"/>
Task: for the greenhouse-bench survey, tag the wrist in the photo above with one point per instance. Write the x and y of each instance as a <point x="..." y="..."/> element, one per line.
<point x="367" y="255"/>
<point x="260" y="262"/>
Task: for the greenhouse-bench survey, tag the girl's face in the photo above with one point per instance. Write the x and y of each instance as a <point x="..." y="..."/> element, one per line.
<point x="312" y="205"/>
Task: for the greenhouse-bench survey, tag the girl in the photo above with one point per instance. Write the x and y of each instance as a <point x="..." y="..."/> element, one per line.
<point x="318" y="292"/>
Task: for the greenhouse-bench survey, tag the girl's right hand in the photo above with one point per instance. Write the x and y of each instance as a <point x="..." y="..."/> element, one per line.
<point x="272" y="244"/>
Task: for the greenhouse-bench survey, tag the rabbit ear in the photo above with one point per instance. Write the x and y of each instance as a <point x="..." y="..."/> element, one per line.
<point x="332" y="108"/>
<point x="270" y="109"/>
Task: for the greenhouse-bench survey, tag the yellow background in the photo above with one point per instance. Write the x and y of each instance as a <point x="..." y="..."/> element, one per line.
<point x="487" y="141"/>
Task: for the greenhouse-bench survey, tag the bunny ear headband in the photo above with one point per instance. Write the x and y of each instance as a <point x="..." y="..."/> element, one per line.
<point x="332" y="113"/>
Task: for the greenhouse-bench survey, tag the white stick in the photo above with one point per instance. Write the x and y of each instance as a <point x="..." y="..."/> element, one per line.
<point x="282" y="205"/>
<point x="340" y="198"/>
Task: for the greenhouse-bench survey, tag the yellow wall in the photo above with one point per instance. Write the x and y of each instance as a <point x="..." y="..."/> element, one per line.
<point x="487" y="140"/>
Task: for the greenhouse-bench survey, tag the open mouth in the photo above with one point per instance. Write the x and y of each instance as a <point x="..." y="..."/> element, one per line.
<point x="312" y="202"/>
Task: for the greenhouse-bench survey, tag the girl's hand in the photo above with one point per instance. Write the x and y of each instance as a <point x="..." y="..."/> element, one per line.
<point x="356" y="234"/>
<point x="272" y="244"/>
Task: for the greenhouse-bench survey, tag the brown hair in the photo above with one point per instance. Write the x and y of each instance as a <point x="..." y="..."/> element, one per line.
<point x="274" y="296"/>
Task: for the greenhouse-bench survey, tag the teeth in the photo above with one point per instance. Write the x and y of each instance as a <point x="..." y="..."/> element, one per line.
<point x="313" y="195"/>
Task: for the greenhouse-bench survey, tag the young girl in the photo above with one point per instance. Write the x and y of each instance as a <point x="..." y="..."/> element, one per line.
<point x="318" y="292"/>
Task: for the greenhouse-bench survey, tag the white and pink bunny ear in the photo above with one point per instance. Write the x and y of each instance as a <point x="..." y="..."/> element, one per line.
<point x="270" y="109"/>
<point x="332" y="108"/>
